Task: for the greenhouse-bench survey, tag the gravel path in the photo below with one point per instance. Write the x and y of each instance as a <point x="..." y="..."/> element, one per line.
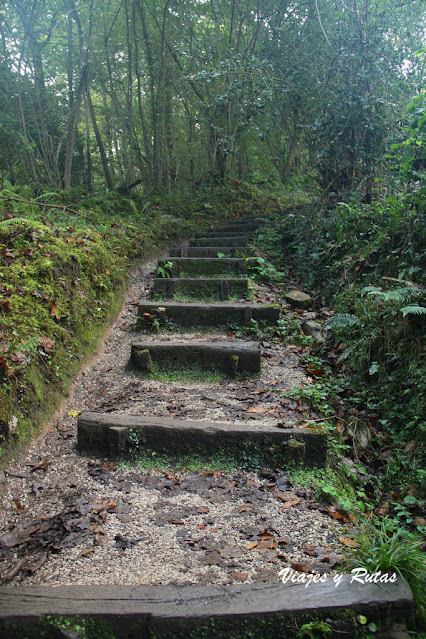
<point x="72" y="519"/>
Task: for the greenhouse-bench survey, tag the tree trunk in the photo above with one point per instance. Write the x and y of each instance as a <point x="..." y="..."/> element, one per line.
<point x="100" y="143"/>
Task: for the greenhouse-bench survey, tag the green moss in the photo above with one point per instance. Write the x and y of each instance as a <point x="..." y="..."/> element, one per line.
<point x="170" y="373"/>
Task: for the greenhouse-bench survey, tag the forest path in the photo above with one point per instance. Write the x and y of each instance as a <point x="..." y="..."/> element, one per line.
<point x="104" y="532"/>
<point x="85" y="519"/>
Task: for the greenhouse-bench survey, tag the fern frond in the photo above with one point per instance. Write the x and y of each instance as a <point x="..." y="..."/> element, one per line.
<point x="371" y="289"/>
<point x="413" y="309"/>
<point x="45" y="196"/>
<point x="342" y="320"/>
<point x="399" y="295"/>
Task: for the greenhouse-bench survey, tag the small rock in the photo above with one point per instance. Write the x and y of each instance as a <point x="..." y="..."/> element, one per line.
<point x="298" y="299"/>
<point x="313" y="329"/>
<point x="360" y="433"/>
<point x="283" y="482"/>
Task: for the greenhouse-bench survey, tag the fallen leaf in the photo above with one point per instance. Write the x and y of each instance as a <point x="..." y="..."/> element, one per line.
<point x="338" y="514"/>
<point x="292" y="502"/>
<point x="267" y="544"/>
<point x="17" y="506"/>
<point x="266" y="535"/>
<point x="19" y="534"/>
<point x="42" y="465"/>
<point x="46" y="344"/>
<point x="257" y="409"/>
<point x="37" y="561"/>
<point x="325" y="555"/>
<point x="252" y="545"/>
<point x="101" y="538"/>
<point x="15" y="569"/>
<point x="108" y="466"/>
<point x="301" y="567"/>
<point x="54" y="311"/>
<point x="350" y="543"/>
<point x="104" y="505"/>
<point x="20" y="358"/>
<point x="288" y="498"/>
<point x="243" y="509"/>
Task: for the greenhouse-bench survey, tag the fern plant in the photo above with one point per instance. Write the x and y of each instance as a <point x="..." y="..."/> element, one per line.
<point x="379" y="329"/>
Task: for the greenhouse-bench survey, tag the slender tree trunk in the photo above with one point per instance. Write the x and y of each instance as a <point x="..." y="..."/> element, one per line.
<point x="100" y="143"/>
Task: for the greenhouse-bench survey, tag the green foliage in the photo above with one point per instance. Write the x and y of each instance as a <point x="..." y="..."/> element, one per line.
<point x="263" y="271"/>
<point x="359" y="257"/>
<point x="387" y="548"/>
<point x="316" y="630"/>
<point x="165" y="270"/>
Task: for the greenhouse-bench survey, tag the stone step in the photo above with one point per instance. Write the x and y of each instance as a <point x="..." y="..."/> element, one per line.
<point x="199" y="288"/>
<point x="229" y="358"/>
<point x="193" y="314"/>
<point x="107" y="435"/>
<point x="272" y="609"/>
<point x="241" y="224"/>
<point x="216" y="234"/>
<point x="209" y="251"/>
<point x="237" y="240"/>
<point x="234" y="229"/>
<point x="193" y="267"/>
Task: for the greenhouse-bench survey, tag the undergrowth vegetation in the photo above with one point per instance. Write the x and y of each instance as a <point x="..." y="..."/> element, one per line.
<point x="368" y="380"/>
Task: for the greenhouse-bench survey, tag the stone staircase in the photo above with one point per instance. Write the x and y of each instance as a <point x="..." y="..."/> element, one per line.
<point x="236" y="359"/>
<point x="228" y="611"/>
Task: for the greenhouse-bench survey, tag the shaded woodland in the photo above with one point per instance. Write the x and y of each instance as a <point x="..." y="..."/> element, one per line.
<point x="128" y="125"/>
<point x="170" y="94"/>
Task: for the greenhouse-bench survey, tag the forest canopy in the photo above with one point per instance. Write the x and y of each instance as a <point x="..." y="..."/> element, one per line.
<point x="171" y="93"/>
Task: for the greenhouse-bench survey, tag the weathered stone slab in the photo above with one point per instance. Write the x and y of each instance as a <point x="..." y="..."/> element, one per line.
<point x="209" y="251"/>
<point x="205" y="266"/>
<point x="213" y="612"/>
<point x="220" y="356"/>
<point x="107" y="434"/>
<point x="237" y="240"/>
<point x="298" y="299"/>
<point x="193" y="314"/>
<point x="199" y="288"/>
